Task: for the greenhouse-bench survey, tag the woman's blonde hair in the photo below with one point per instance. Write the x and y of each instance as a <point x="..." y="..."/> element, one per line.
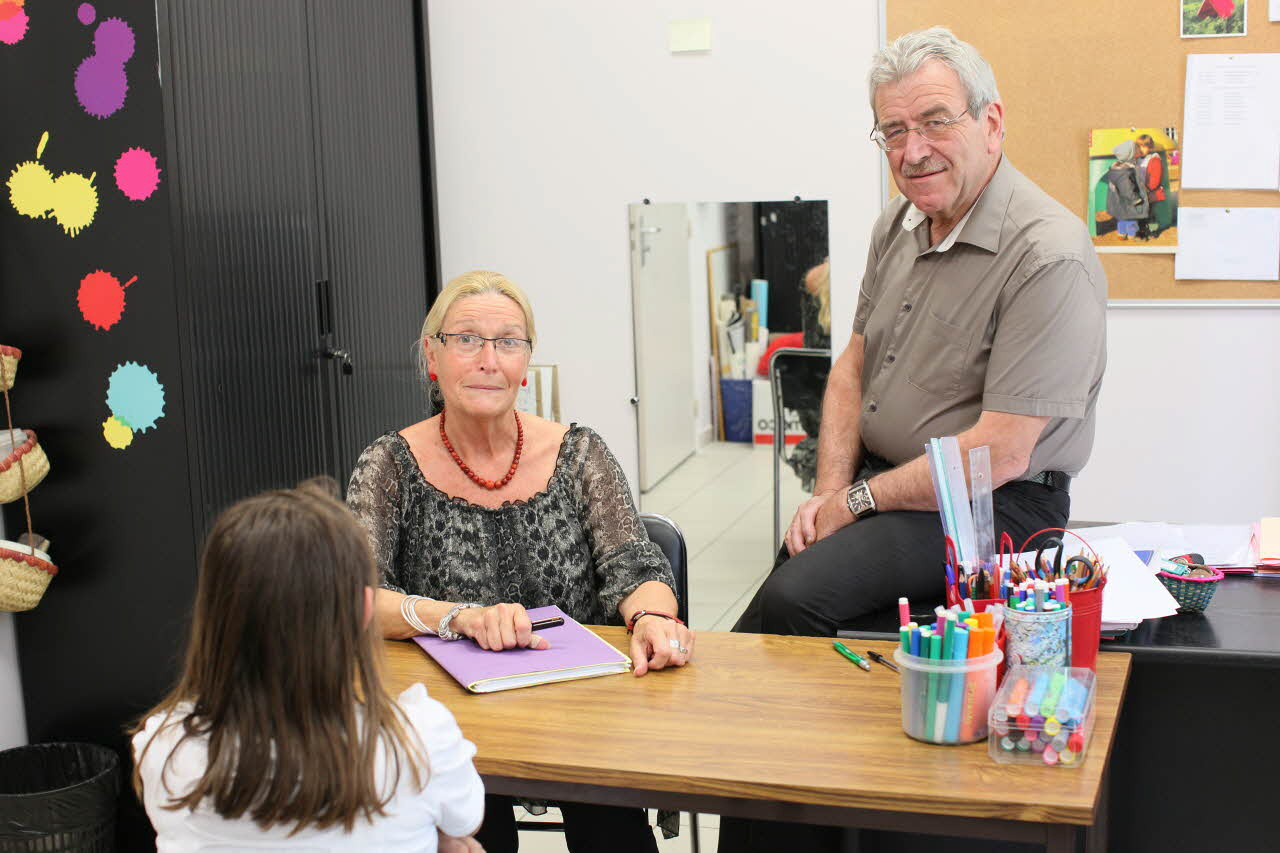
<point x="472" y="283"/>
<point x="282" y="674"/>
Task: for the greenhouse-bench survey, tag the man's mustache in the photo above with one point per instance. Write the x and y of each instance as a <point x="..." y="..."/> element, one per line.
<point x="924" y="167"/>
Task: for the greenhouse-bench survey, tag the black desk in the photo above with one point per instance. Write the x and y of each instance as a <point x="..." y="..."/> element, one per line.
<point x="1241" y="627"/>
<point x="1197" y="723"/>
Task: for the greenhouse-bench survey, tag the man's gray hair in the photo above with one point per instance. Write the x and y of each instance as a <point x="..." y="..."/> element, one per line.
<point x="909" y="52"/>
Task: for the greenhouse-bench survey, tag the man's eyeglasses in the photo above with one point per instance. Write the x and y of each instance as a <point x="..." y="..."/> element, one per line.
<point x="934" y="130"/>
<point x="465" y="343"/>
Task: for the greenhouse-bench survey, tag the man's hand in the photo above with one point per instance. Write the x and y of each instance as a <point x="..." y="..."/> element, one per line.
<point x="833" y="514"/>
<point x="818" y="517"/>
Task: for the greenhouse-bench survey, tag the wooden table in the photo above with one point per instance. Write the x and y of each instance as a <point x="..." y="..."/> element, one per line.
<point x="771" y="727"/>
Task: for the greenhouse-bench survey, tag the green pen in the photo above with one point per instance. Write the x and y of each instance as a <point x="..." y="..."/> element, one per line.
<point x="853" y="656"/>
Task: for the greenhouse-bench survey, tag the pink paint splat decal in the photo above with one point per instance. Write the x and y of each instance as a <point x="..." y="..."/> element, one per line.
<point x="86" y="13"/>
<point x="137" y="174"/>
<point x="13" y="21"/>
<point x="101" y="84"/>
<point x="101" y="299"/>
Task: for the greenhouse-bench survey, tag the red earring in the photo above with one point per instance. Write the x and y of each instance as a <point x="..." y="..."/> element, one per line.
<point x="431" y="376"/>
<point x="524" y="381"/>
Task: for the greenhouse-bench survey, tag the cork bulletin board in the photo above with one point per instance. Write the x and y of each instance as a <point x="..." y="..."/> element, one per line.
<point x="1066" y="67"/>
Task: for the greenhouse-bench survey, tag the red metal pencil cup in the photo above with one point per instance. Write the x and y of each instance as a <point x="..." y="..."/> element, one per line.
<point x="1086" y="625"/>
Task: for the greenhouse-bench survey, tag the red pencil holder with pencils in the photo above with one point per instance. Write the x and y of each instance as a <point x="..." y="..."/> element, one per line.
<point x="1086" y="625"/>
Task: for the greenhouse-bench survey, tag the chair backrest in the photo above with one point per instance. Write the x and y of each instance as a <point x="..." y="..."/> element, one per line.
<point x="666" y="535"/>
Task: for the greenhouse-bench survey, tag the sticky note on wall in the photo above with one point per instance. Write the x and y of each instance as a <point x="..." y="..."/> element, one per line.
<point x="691" y="35"/>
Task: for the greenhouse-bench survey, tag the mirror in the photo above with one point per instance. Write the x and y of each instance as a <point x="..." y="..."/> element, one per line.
<point x="714" y="286"/>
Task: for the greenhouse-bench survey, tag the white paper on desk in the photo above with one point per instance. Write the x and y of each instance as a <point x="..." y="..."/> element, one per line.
<point x="1219" y="544"/>
<point x="1235" y="243"/>
<point x="1132" y="592"/>
<point x="1141" y="535"/>
<point x="1231" y="127"/>
<point x="1273" y="10"/>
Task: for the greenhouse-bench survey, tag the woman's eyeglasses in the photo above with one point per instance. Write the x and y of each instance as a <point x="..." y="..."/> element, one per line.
<point x="465" y="343"/>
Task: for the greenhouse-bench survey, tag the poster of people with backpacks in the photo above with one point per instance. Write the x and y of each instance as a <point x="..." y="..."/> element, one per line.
<point x="1134" y="177"/>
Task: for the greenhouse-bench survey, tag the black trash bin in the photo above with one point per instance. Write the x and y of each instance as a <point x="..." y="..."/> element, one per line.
<point x="58" y="798"/>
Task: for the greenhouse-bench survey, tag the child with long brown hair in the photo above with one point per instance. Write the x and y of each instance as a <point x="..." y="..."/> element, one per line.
<point x="279" y="731"/>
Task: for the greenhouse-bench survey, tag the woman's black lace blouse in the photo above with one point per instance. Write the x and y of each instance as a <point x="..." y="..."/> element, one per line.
<point x="578" y="544"/>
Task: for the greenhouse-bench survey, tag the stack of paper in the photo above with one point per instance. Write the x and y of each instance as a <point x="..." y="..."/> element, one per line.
<point x="1226" y="546"/>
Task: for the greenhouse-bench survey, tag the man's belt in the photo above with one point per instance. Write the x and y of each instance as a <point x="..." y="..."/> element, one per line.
<point x="1053" y="479"/>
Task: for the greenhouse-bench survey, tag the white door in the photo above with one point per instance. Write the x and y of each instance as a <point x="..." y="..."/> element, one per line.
<point x="663" y="320"/>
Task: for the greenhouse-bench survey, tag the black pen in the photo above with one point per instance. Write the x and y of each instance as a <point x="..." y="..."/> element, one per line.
<point x="553" y="622"/>
<point x="878" y="658"/>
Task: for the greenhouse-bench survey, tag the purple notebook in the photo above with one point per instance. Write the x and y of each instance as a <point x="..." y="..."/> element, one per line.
<point x="575" y="653"/>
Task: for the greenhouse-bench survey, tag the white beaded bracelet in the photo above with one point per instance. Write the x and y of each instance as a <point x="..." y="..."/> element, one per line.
<point x="410" y="614"/>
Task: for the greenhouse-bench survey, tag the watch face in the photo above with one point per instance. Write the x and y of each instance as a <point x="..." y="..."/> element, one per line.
<point x="860" y="501"/>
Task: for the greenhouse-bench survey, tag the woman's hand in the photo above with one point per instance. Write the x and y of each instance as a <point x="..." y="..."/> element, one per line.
<point x="454" y="844"/>
<point x="657" y="643"/>
<point x="501" y="626"/>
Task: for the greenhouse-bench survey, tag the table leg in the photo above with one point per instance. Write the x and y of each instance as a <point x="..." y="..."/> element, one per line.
<point x="1095" y="837"/>
<point x="1060" y="838"/>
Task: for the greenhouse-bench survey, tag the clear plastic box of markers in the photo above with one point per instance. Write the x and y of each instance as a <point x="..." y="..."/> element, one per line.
<point x="1042" y="715"/>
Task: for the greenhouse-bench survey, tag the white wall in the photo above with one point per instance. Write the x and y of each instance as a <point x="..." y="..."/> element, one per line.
<point x="551" y="117"/>
<point x="1187" y="417"/>
<point x="13" y="720"/>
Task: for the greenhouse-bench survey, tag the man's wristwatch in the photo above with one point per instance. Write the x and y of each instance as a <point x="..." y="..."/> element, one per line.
<point x="860" y="501"/>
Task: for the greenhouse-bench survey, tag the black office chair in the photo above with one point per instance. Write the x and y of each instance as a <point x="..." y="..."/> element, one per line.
<point x="666" y="534"/>
<point x="797" y="378"/>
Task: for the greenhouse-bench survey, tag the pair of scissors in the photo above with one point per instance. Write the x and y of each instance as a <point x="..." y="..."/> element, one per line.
<point x="1042" y="565"/>
<point x="1078" y="579"/>
<point x="953" y="570"/>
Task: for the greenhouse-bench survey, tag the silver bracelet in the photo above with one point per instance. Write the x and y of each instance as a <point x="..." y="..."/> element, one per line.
<point x="409" y="613"/>
<point x="444" y="632"/>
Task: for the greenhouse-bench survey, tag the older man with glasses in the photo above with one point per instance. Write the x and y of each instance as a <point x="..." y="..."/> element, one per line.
<point x="981" y="315"/>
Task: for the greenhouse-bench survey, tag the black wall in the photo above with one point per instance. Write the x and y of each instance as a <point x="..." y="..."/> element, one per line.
<point x="101" y="645"/>
<point x="289" y="135"/>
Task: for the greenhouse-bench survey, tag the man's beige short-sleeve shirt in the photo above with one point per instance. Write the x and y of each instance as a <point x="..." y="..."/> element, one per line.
<point x="1008" y="317"/>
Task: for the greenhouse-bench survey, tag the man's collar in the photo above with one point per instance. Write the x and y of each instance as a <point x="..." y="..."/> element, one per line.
<point x="981" y="224"/>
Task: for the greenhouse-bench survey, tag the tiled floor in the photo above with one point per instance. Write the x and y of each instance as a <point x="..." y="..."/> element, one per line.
<point x="722" y="499"/>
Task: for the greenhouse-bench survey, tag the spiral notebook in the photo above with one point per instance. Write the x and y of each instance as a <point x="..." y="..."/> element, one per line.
<point x="575" y="653"/>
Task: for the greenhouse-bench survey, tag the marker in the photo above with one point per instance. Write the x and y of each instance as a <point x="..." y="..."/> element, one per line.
<point x="904" y="615"/>
<point x="880" y="659"/>
<point x="552" y="622"/>
<point x="853" y="656"/>
<point x="931" y="693"/>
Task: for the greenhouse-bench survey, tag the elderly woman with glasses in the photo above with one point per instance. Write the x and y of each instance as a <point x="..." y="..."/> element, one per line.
<point x="481" y="511"/>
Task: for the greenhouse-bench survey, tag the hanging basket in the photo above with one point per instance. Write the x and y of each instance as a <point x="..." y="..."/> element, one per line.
<point x="8" y="366"/>
<point x="25" y="573"/>
<point x="26" y="459"/>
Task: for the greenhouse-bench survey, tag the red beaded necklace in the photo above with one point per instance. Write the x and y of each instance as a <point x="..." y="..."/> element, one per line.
<point x="479" y="481"/>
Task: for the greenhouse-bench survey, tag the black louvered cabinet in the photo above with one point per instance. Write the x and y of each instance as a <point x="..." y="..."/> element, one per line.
<point x="300" y="233"/>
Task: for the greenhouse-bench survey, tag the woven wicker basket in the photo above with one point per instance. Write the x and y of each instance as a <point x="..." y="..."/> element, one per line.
<point x="1192" y="594"/>
<point x="24" y="576"/>
<point x="26" y="460"/>
<point x="8" y="366"/>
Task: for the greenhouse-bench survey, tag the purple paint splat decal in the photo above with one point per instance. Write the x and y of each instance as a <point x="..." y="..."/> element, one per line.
<point x="86" y="13"/>
<point x="101" y="83"/>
